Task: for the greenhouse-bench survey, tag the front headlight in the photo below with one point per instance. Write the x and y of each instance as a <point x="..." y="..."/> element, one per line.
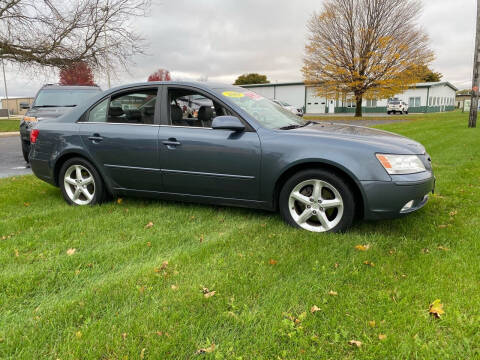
<point x="401" y="164"/>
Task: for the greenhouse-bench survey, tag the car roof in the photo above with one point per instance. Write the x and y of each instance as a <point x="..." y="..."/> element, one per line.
<point x="71" y="87"/>
<point x="199" y="84"/>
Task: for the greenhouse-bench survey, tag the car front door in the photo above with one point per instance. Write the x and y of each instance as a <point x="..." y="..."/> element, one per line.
<point x="121" y="134"/>
<point x="198" y="160"/>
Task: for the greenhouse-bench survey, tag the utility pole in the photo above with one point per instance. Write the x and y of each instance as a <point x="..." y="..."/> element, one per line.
<point x="6" y="91"/>
<point x="472" y="122"/>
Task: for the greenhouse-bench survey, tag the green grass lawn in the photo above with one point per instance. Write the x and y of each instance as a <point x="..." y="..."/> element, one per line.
<point x="88" y="283"/>
<point x="9" y="125"/>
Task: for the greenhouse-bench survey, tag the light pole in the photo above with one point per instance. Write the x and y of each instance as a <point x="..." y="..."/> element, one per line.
<point x="6" y="91"/>
<point x="472" y="121"/>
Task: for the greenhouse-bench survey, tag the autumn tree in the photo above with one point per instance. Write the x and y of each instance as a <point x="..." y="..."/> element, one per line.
<point x="77" y="74"/>
<point x="252" y="78"/>
<point x="160" y="75"/>
<point x="57" y="33"/>
<point x="365" y="48"/>
<point x="428" y="75"/>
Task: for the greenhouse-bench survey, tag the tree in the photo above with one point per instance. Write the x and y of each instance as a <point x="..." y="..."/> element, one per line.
<point x="428" y="75"/>
<point x="365" y="48"/>
<point x="77" y="74"/>
<point x="160" y="75"/>
<point x="57" y="33"/>
<point x="252" y="78"/>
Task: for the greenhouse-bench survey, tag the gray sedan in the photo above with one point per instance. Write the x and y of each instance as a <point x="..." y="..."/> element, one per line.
<point x="239" y="149"/>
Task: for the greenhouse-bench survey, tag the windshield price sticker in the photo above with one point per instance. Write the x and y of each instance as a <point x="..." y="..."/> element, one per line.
<point x="233" y="94"/>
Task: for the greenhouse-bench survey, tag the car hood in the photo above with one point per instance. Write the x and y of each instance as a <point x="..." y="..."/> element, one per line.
<point x="383" y="140"/>
<point x="48" y="112"/>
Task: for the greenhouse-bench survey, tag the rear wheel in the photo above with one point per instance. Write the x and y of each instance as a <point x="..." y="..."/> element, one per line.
<point x="317" y="200"/>
<point x="81" y="183"/>
<point x="25" y="150"/>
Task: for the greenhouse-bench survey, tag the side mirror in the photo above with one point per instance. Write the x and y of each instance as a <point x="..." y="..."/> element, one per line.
<point x="228" y="123"/>
<point x="24" y="106"/>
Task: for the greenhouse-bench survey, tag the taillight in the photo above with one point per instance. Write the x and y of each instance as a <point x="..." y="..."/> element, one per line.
<point x="34" y="135"/>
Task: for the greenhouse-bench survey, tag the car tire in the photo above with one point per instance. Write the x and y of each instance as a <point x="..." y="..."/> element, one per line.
<point x="406" y="112"/>
<point x="388" y="112"/>
<point x="317" y="200"/>
<point x="25" y="150"/>
<point x="80" y="182"/>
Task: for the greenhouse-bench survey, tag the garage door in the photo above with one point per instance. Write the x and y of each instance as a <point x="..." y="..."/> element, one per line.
<point x="315" y="104"/>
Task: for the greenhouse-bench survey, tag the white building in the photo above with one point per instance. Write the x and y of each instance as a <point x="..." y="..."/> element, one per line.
<point x="422" y="97"/>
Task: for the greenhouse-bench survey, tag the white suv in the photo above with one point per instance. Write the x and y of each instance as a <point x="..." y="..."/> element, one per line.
<point x="397" y="106"/>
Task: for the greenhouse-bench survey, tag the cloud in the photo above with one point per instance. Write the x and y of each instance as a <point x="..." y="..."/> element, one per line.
<point x="223" y="39"/>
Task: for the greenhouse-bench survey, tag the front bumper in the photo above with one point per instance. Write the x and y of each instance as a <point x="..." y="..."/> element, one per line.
<point x="386" y="200"/>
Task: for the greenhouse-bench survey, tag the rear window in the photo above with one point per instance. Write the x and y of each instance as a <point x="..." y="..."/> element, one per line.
<point x="63" y="97"/>
<point x="395" y="103"/>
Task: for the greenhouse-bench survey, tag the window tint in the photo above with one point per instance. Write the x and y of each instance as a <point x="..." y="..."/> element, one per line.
<point x="190" y="108"/>
<point x="99" y="112"/>
<point x="63" y="97"/>
<point x="137" y="107"/>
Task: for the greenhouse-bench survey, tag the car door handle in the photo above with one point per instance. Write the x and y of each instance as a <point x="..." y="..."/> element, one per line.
<point x="95" y="138"/>
<point x="171" y="142"/>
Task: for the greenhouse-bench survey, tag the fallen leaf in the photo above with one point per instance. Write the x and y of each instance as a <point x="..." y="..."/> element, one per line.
<point x="314" y="309"/>
<point x="272" y="262"/>
<point x="159" y="333"/>
<point x="77" y="271"/>
<point x="164" y="265"/>
<point x="442" y="226"/>
<point x="333" y="293"/>
<point x="149" y="225"/>
<point x="372" y="323"/>
<point x="443" y="248"/>
<point x="336" y="265"/>
<point x="453" y="213"/>
<point x="201" y="238"/>
<point x="78" y="334"/>
<point x="362" y="247"/>
<point x="149" y="244"/>
<point x="119" y="200"/>
<point x="425" y="250"/>
<point x="206" y="350"/>
<point x="382" y="337"/>
<point x="436" y="309"/>
<point x="369" y="263"/>
<point x="70" y="252"/>
<point x="17" y="254"/>
<point x="26" y="204"/>
<point x="142" y="354"/>
<point x="124" y="336"/>
<point x="174" y="287"/>
<point x="391" y="252"/>
<point x="209" y="294"/>
<point x="141" y="289"/>
<point x="355" y="343"/>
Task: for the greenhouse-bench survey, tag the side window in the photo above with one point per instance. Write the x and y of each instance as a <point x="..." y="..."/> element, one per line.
<point x="190" y="108"/>
<point x="99" y="112"/>
<point x="136" y="107"/>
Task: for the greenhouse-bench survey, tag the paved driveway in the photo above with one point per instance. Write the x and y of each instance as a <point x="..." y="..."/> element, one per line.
<point x="11" y="158"/>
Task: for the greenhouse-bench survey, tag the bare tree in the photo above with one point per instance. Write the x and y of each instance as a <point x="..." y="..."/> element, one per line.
<point x="365" y="48"/>
<point x="57" y="33"/>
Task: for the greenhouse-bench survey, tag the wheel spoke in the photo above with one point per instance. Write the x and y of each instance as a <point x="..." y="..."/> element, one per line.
<point x="70" y="181"/>
<point x="327" y="204"/>
<point x="307" y="214"/>
<point x="87" y="194"/>
<point x="299" y="197"/>
<point x="317" y="190"/>
<point x="77" y="193"/>
<point x="323" y="220"/>
<point x="78" y="172"/>
<point x="88" y="180"/>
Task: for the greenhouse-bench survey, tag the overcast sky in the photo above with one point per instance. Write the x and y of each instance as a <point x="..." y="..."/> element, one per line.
<point x="222" y="39"/>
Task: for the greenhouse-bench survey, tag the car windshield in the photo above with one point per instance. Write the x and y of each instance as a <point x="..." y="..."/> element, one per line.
<point x="265" y="111"/>
<point x="63" y="97"/>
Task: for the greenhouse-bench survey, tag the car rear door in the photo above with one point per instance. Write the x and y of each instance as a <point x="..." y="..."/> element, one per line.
<point x="201" y="161"/>
<point x="121" y="134"/>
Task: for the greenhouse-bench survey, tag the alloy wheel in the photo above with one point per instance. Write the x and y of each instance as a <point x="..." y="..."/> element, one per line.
<point x="79" y="184"/>
<point x="316" y="205"/>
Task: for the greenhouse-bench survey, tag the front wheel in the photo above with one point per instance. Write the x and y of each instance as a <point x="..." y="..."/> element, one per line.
<point x="81" y="183"/>
<point x="317" y="200"/>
